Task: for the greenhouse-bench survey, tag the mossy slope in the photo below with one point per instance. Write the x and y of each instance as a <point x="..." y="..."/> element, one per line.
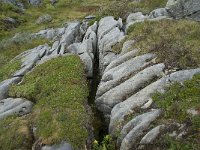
<point x="176" y="42"/>
<point x="59" y="90"/>
<point x="175" y="102"/>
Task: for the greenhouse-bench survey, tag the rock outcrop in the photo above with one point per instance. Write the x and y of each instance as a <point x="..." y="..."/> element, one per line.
<point x="183" y="8"/>
<point x="16" y="106"/>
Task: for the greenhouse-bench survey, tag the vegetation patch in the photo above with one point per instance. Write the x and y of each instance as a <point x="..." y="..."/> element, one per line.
<point x="7" y="70"/>
<point x="175" y="102"/>
<point x="15" y="134"/>
<point x="176" y="42"/>
<point x="59" y="90"/>
<point x="14" y="46"/>
<point x="146" y="6"/>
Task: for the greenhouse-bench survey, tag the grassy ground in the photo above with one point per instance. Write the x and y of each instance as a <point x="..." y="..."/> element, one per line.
<point x="176" y="42"/>
<point x="175" y="102"/>
<point x="59" y="92"/>
<point x="63" y="11"/>
<point x="13" y="47"/>
<point x="15" y="134"/>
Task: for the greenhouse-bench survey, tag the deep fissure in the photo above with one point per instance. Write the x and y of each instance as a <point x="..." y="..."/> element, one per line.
<point x="100" y="129"/>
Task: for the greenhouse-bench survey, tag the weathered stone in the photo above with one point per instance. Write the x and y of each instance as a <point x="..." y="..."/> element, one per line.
<point x="135" y="16"/>
<point x="71" y="32"/>
<point x="126" y="108"/>
<point x="44" y="19"/>
<point x="16" y="106"/>
<point x="106" y="24"/>
<point x="62" y="146"/>
<point x="182" y="8"/>
<point x="4" y="86"/>
<point x="158" y="12"/>
<point x="129" y="87"/>
<point x="90" y="17"/>
<point x="87" y="60"/>
<point x="136" y="128"/>
<point x="152" y="135"/>
<point x="35" y="2"/>
<point x="121" y="59"/>
<point x="127" y="46"/>
<point x="127" y="67"/>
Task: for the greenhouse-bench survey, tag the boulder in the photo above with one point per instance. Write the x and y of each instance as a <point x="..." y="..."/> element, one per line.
<point x="129" y="87"/>
<point x="35" y="2"/>
<point x="136" y="128"/>
<point x="152" y="135"/>
<point x="126" y="108"/>
<point x="127" y="46"/>
<point x="62" y="146"/>
<point x="11" y="106"/>
<point x="4" y="86"/>
<point x="121" y="59"/>
<point x="44" y="19"/>
<point x="158" y="12"/>
<point x="127" y="67"/>
<point x="182" y="8"/>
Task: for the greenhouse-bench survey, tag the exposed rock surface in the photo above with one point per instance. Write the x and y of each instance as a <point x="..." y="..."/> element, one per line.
<point x="109" y="33"/>
<point x="183" y="8"/>
<point x="4" y="86"/>
<point x="62" y="146"/>
<point x="16" y="106"/>
<point x="44" y="19"/>
<point x="35" y="2"/>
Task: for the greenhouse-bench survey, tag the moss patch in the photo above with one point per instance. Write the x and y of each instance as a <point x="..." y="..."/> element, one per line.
<point x="15" y="134"/>
<point x="175" y="102"/>
<point x="7" y="70"/>
<point x="146" y="6"/>
<point x="59" y="89"/>
<point x="176" y="43"/>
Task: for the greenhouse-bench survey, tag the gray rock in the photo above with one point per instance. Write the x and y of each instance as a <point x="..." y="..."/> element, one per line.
<point x="121" y="59"/>
<point x="136" y="128"/>
<point x="4" y="86"/>
<point x="136" y="16"/>
<point x="10" y="22"/>
<point x="71" y="32"/>
<point x="182" y="8"/>
<point x="126" y="108"/>
<point x="14" y="2"/>
<point x="90" y="17"/>
<point x="44" y="19"/>
<point x="62" y="146"/>
<point x="129" y="87"/>
<point x="152" y="135"/>
<point x="35" y="2"/>
<point x="87" y="60"/>
<point x="106" y="24"/>
<point x="16" y="106"/>
<point x="195" y="16"/>
<point x="127" y="67"/>
<point x="158" y="12"/>
<point x="127" y="46"/>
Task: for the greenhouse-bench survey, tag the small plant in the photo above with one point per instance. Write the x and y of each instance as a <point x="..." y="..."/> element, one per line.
<point x="106" y="144"/>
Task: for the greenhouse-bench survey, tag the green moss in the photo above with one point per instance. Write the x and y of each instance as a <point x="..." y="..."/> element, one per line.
<point x="7" y="70"/>
<point x="176" y="42"/>
<point x="146" y="6"/>
<point x="175" y="102"/>
<point x="59" y="89"/>
<point x="15" y="134"/>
